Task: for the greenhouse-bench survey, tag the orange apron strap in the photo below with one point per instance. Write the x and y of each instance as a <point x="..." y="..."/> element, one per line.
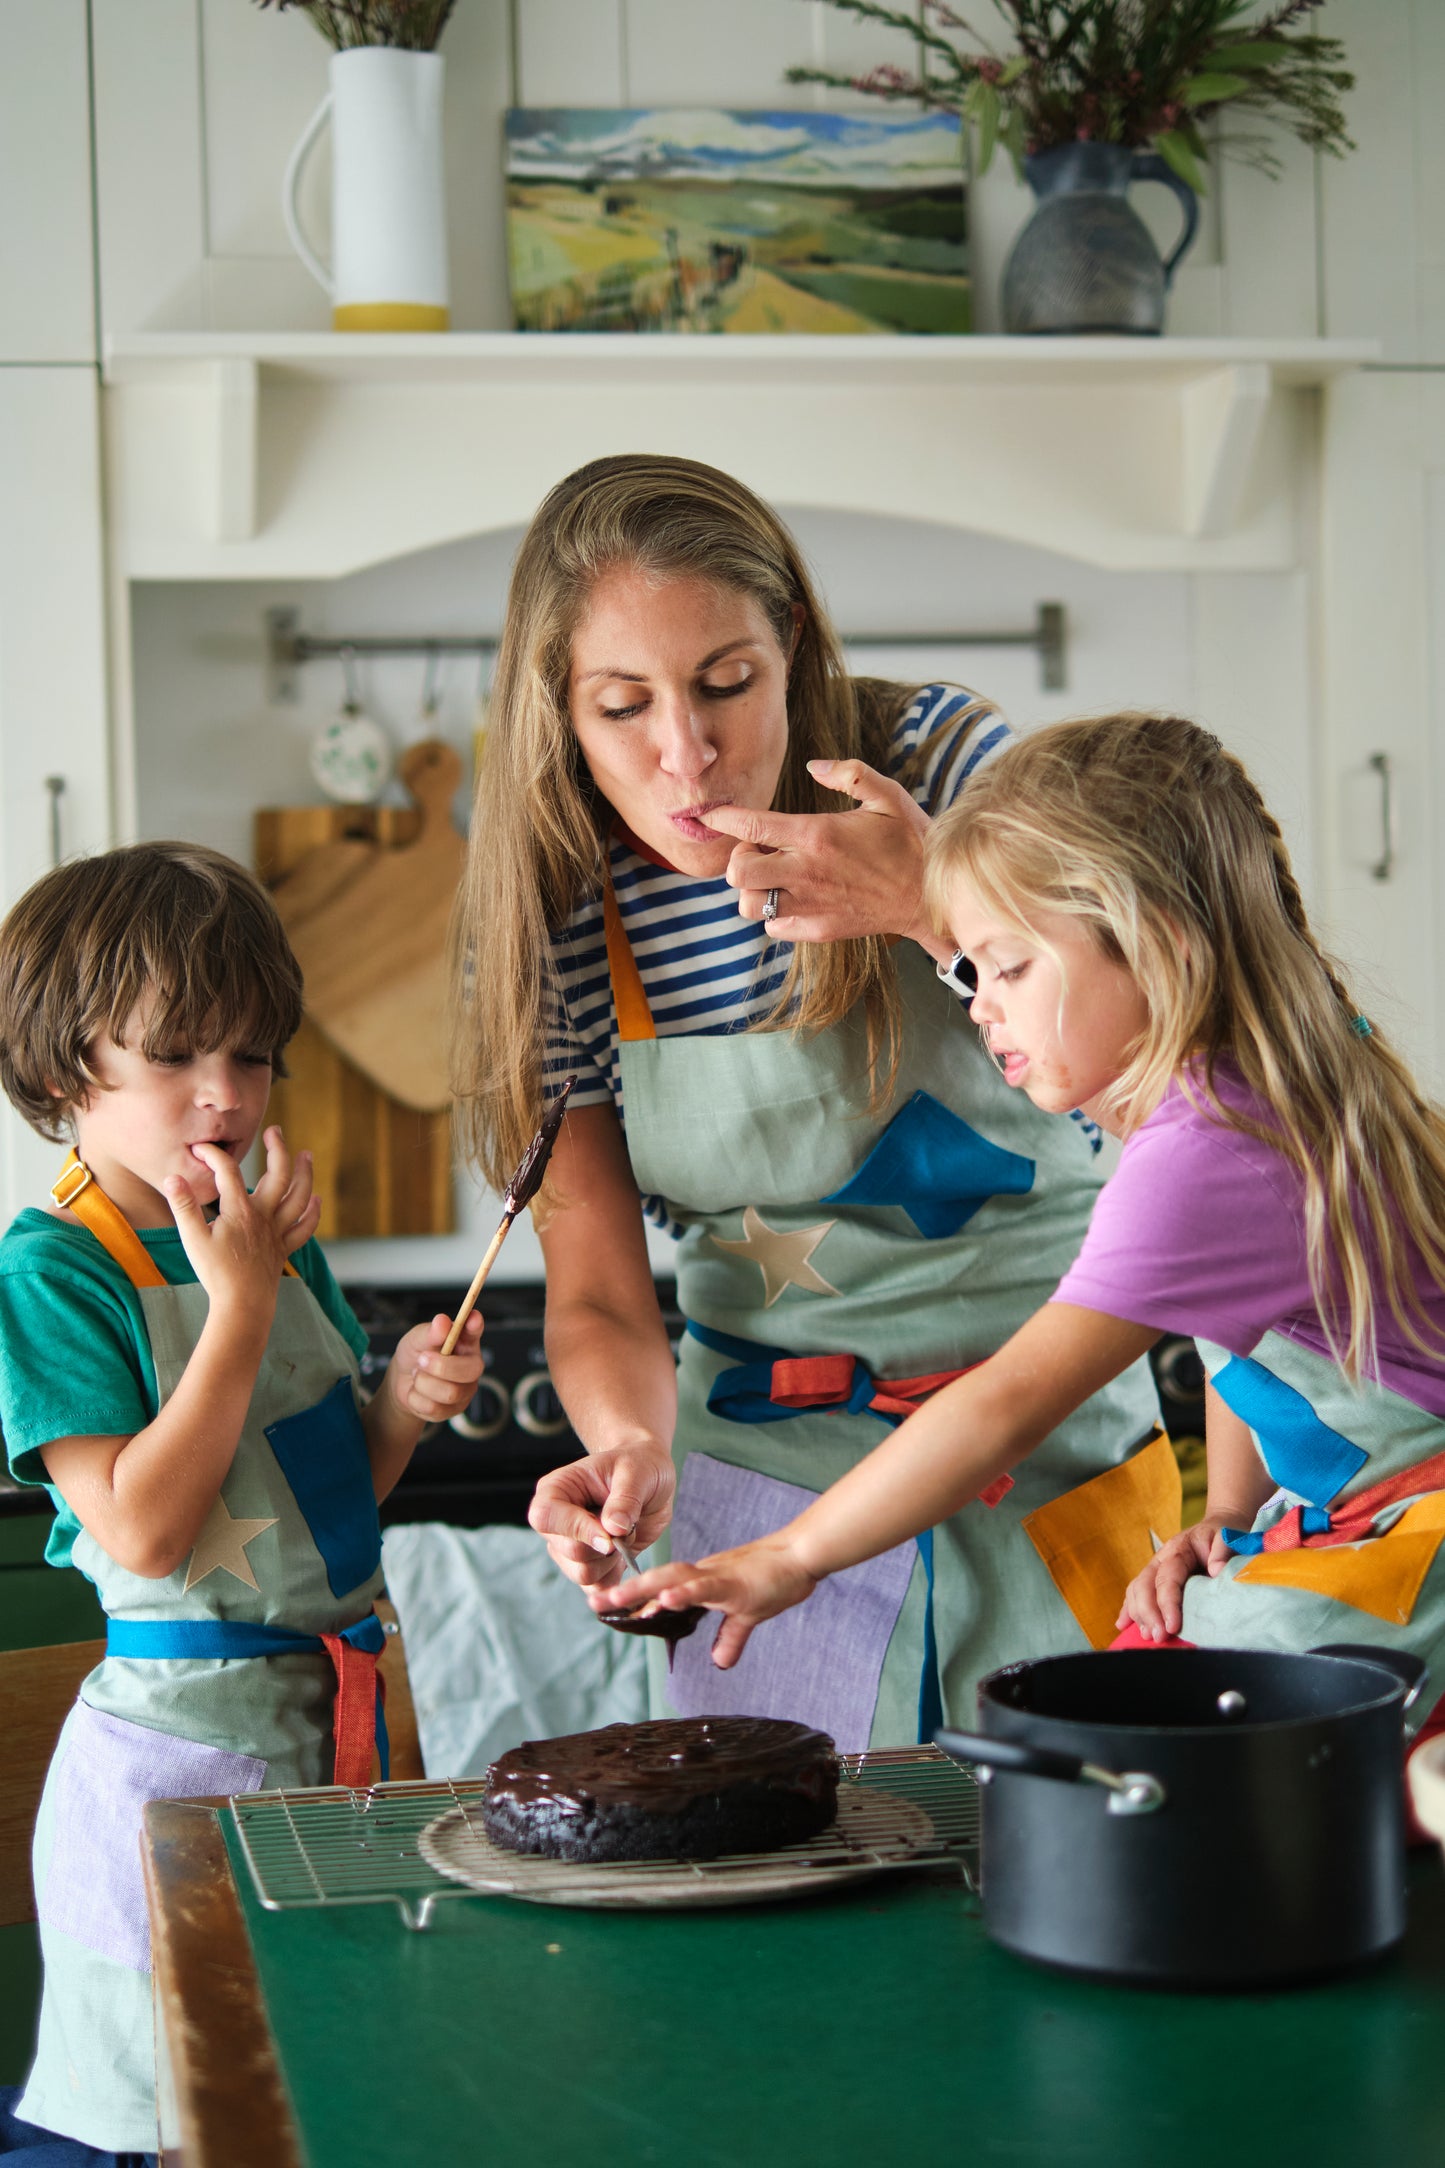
<point x="79" y="1192"/>
<point x="634" y="1013"/>
<point x="354" y="1723"/>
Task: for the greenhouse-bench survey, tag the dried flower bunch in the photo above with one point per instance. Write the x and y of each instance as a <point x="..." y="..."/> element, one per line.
<point x="1135" y="72"/>
<point x="413" y="26"/>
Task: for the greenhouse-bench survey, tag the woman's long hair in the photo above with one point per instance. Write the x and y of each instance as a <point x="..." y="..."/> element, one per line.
<point x="1145" y="829"/>
<point x="539" y="825"/>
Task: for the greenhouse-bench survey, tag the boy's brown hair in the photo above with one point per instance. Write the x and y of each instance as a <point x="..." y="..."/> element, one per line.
<point x="90" y="941"/>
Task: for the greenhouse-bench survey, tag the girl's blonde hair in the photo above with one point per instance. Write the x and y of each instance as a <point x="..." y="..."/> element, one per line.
<point x="539" y="825"/>
<point x="1147" y="831"/>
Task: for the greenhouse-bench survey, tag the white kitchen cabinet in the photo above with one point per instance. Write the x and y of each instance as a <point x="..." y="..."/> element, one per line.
<point x="47" y="269"/>
<point x="53" y="703"/>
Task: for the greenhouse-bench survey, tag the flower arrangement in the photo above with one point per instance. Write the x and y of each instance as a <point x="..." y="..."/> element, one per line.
<point x="413" y="26"/>
<point x="1143" y="73"/>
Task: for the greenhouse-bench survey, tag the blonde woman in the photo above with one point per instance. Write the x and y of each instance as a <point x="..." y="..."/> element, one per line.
<point x="1141" y="949"/>
<point x="862" y="1206"/>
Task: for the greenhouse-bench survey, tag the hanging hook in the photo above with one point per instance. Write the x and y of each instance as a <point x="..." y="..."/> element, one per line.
<point x="431" y="685"/>
<point x="351" y="703"/>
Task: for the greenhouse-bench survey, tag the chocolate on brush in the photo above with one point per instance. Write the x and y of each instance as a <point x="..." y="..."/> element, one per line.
<point x="527" y="1180"/>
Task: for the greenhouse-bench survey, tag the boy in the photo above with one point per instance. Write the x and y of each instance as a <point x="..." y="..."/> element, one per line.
<point x="180" y="1370"/>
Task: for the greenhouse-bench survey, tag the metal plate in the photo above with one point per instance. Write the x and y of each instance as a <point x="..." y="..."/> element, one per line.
<point x="875" y="1831"/>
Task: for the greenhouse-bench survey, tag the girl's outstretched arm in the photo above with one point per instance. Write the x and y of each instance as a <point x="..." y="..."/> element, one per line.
<point x="955" y="1446"/>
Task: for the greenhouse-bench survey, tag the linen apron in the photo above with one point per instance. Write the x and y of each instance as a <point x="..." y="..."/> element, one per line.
<point x="289" y="1552"/>
<point x="1348" y="1548"/>
<point x="909" y="1245"/>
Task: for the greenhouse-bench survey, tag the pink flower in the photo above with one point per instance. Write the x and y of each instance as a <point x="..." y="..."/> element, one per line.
<point x="989" y="71"/>
<point x="884" y="77"/>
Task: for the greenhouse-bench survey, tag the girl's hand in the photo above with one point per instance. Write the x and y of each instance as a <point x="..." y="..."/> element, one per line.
<point x="624" y="1491"/>
<point x="239" y="1256"/>
<point x="1154" y="1599"/>
<point x="750" y="1584"/>
<point x="427" y="1384"/>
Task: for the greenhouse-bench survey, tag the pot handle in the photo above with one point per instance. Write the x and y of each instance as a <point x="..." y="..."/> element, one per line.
<point x="1133" y="1791"/>
<point x="1412" y="1670"/>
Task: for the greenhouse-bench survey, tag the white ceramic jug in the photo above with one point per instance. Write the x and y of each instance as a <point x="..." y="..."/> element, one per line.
<point x="388" y="216"/>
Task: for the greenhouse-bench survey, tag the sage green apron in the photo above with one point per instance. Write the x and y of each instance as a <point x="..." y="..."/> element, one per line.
<point x="147" y="1728"/>
<point x="750" y="1138"/>
<point x="1348" y="1549"/>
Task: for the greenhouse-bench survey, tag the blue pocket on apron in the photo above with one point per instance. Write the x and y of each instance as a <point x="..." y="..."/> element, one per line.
<point x="933" y="1165"/>
<point x="322" y="1454"/>
<point x="105" y="1770"/>
<point x="821" y="1662"/>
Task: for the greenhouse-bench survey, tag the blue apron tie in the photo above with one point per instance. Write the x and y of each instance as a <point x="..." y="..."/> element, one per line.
<point x="225" y="1638"/>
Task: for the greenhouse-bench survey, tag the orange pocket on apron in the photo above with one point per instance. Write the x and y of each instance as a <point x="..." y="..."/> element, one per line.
<point x="1094" y="1540"/>
<point x="1382" y="1574"/>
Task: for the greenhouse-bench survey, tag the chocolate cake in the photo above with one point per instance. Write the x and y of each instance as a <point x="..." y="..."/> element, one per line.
<point x="687" y="1788"/>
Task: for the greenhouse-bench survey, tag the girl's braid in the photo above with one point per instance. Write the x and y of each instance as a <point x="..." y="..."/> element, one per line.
<point x="1288" y="886"/>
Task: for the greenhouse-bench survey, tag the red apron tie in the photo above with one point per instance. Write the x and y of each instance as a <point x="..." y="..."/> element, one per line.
<point x="822" y="1381"/>
<point x="357" y="1685"/>
<point x="1353" y="1521"/>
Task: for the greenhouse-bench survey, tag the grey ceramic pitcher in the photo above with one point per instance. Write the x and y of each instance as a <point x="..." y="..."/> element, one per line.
<point x="1086" y="262"/>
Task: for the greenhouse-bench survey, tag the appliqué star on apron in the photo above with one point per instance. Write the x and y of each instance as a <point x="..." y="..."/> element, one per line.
<point x="259" y="1655"/>
<point x="834" y="1268"/>
<point x="1348" y="1547"/>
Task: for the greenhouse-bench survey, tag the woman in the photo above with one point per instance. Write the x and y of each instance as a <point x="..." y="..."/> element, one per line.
<point x="863" y="1207"/>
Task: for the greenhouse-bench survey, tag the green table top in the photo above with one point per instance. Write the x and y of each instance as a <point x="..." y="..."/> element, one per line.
<point x="880" y="2026"/>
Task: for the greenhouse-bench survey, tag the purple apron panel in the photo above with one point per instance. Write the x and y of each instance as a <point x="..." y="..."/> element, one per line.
<point x="819" y="1663"/>
<point x="94" y="1888"/>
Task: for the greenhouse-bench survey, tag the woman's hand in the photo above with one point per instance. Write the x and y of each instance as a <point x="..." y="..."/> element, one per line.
<point x="625" y="1491"/>
<point x="1154" y="1599"/>
<point x="839" y="875"/>
<point x="750" y="1584"/>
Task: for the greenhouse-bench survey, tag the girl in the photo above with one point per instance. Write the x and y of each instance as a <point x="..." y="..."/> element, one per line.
<point x="180" y="1370"/>
<point x="1141" y="950"/>
<point x="861" y="1203"/>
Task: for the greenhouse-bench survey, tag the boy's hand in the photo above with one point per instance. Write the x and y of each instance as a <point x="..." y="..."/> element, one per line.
<point x="427" y="1384"/>
<point x="752" y="1583"/>
<point x="239" y="1256"/>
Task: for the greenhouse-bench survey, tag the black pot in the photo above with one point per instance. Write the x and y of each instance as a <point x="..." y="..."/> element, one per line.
<point x="1195" y="1817"/>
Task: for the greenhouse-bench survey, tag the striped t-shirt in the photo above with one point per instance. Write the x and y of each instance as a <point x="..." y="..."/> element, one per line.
<point x="704" y="968"/>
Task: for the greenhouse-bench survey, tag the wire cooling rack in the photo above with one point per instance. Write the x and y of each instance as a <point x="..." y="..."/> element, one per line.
<point x="307" y="1849"/>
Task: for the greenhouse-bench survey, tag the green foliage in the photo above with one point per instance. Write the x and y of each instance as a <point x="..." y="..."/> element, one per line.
<point x="1132" y="72"/>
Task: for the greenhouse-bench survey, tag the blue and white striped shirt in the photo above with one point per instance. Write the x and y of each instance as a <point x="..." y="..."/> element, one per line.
<point x="705" y="969"/>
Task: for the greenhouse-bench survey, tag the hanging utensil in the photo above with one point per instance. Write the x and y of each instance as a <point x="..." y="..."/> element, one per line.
<point x="522" y="1188"/>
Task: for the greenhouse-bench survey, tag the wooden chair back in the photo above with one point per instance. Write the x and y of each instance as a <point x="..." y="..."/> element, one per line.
<point x="37" y="1689"/>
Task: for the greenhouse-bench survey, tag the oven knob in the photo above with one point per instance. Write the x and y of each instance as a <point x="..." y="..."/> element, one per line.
<point x="536" y="1407"/>
<point x="487" y="1413"/>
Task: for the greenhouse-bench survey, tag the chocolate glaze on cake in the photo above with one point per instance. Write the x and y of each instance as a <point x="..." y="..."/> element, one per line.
<point x="688" y="1788"/>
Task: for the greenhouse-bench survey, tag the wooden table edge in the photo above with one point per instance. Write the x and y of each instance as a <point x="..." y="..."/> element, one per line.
<point x="231" y="2101"/>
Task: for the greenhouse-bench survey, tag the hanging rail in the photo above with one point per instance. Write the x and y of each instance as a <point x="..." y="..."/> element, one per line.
<point x="288" y="647"/>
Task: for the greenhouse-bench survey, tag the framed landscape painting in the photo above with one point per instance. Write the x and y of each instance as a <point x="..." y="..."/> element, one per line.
<point x="698" y="220"/>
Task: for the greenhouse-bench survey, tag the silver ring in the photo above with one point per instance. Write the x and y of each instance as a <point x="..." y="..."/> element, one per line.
<point x="770" y="908"/>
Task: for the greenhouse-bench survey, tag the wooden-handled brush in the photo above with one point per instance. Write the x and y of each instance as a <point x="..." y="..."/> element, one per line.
<point x="522" y="1188"/>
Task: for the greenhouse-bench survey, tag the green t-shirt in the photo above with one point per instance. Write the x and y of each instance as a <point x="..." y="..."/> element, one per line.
<point x="75" y="1358"/>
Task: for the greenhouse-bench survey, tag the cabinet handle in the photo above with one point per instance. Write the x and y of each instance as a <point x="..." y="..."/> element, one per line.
<point x="55" y="785"/>
<point x="1384" y="867"/>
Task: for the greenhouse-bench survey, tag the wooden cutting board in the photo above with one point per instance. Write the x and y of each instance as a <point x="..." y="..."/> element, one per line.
<point x="368" y="921"/>
<point x="381" y="1167"/>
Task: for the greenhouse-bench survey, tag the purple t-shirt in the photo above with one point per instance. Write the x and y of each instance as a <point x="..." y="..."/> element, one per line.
<point x="1201" y="1230"/>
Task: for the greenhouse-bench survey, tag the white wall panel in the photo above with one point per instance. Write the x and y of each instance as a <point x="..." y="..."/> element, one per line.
<point x="150" y="186"/>
<point x="685" y="54"/>
<point x="1371" y="218"/>
<point x="568" y="55"/>
<point x="47" y="291"/>
<point x="52" y="661"/>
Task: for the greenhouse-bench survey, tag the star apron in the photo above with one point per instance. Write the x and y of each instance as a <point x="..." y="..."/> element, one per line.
<point x="1348" y="1548"/>
<point x="289" y="1553"/>
<point x="828" y="1253"/>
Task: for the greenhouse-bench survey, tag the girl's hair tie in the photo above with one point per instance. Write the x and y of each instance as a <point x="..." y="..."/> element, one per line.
<point x="1362" y="1027"/>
